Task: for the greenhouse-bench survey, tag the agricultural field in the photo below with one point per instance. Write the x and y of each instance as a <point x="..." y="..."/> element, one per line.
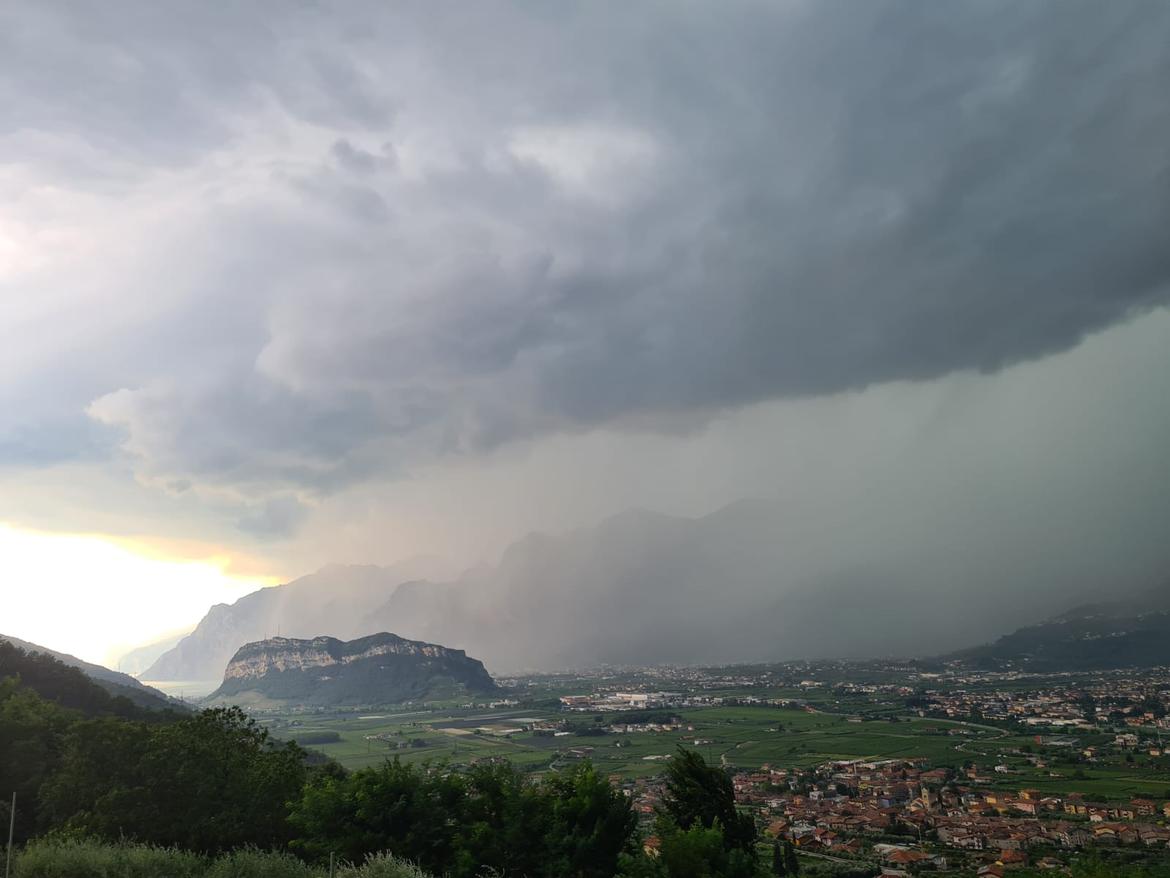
<point x="737" y="737"/>
<point x="742" y="737"/>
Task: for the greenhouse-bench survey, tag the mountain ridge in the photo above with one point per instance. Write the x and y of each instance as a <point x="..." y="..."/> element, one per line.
<point x="746" y="582"/>
<point x="114" y="683"/>
<point x="1126" y="633"/>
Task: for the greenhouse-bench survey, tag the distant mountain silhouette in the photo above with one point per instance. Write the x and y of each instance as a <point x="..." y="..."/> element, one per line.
<point x="139" y="659"/>
<point x="335" y="600"/>
<point x="748" y="582"/>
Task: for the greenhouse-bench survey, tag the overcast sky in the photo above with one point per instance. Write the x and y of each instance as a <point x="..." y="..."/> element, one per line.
<point x="289" y="283"/>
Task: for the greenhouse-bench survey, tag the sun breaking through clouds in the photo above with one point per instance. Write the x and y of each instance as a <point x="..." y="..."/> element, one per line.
<point x="94" y="598"/>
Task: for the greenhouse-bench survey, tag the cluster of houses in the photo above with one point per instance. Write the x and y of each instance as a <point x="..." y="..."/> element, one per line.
<point x="935" y="810"/>
<point x="611" y="701"/>
<point x="1137" y="703"/>
<point x="909" y="817"/>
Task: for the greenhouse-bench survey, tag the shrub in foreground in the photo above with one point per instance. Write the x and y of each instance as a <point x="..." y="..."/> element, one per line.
<point x="382" y="866"/>
<point x="75" y="858"/>
<point x="253" y="863"/>
<point x="83" y="858"/>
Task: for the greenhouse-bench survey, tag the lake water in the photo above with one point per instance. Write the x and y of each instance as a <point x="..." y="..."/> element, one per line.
<point x="184" y="688"/>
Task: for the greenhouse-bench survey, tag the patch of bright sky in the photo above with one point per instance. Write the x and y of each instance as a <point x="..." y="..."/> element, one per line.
<point x="96" y="597"/>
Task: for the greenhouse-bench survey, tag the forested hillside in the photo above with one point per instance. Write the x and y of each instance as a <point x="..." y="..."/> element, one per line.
<point x="114" y="682"/>
<point x="71" y="687"/>
<point x="1098" y="636"/>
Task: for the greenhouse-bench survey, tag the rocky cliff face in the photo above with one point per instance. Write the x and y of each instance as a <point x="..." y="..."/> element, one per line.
<point x="378" y="669"/>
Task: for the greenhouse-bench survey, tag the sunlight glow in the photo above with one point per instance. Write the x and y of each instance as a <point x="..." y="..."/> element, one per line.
<point x="96" y="597"/>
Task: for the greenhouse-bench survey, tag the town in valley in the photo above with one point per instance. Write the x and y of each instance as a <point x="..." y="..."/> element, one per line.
<point x="902" y="767"/>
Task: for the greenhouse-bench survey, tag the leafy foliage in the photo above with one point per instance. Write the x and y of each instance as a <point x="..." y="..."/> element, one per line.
<point x="573" y="824"/>
<point x="701" y="852"/>
<point x="701" y="795"/>
<point x="84" y="858"/>
<point x="31" y="733"/>
<point x="79" y="858"/>
<point x="208" y="783"/>
<point x="382" y="866"/>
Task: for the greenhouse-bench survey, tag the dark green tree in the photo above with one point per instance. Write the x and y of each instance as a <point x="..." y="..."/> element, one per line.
<point x="698" y="794"/>
<point x="591" y="824"/>
<point x="508" y="822"/>
<point x="699" y="852"/>
<point x="572" y="825"/>
<point x="392" y="807"/>
<point x="791" y="861"/>
<point x="32" y="734"/>
<point x="99" y="786"/>
<point x="211" y="782"/>
<point x="779" y="867"/>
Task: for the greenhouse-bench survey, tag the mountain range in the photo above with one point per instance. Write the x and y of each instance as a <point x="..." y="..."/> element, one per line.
<point x="745" y="583"/>
<point x="379" y="669"/>
<point x="334" y="601"/>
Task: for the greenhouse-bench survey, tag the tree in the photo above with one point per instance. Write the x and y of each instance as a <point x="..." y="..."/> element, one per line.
<point x="591" y="824"/>
<point x="507" y="823"/>
<point x="698" y="794"/>
<point x="573" y="825"/>
<point x="791" y="862"/>
<point x="208" y="783"/>
<point x="779" y="867"/>
<point x="391" y="807"/>
<point x="31" y="738"/>
<point x="702" y="853"/>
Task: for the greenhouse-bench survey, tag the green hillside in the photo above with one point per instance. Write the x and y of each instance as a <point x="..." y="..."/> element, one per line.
<point x="115" y="683"/>
<point x="1098" y="636"/>
<point x="70" y="687"/>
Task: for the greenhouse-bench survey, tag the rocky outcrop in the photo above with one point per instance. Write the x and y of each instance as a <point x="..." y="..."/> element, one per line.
<point x="378" y="669"/>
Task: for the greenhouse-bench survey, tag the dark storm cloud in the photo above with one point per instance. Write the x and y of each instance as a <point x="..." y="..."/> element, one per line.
<point x="430" y="231"/>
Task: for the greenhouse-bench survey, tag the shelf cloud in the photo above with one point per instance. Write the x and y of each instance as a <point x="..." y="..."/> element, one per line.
<point x="326" y="251"/>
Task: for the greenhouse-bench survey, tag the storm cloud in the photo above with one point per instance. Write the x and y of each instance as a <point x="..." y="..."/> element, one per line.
<point x="268" y="252"/>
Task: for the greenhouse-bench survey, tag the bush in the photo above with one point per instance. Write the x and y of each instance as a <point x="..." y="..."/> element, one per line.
<point x="76" y="858"/>
<point x="382" y="866"/>
<point x="253" y="863"/>
<point x="82" y="858"/>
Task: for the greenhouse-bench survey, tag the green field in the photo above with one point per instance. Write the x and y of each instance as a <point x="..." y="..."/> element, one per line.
<point x="741" y="737"/>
